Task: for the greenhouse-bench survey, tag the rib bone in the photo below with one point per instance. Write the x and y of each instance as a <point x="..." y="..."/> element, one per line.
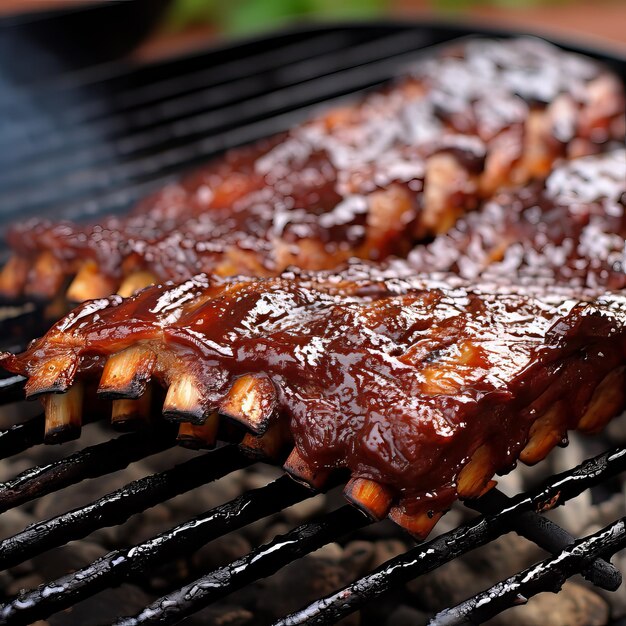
<point x="371" y="497"/>
<point x="198" y="437"/>
<point x="13" y="277"/>
<point x="135" y="282"/>
<point x="184" y="401"/>
<point x="301" y="471"/>
<point x="545" y="433"/>
<point x="63" y="414"/>
<point x="476" y="474"/>
<point x="127" y="373"/>
<point x="46" y="277"/>
<point x="129" y="414"/>
<point x="270" y="445"/>
<point x="89" y="284"/>
<point x="251" y="401"/>
<point x="606" y="402"/>
<point x="418" y="525"/>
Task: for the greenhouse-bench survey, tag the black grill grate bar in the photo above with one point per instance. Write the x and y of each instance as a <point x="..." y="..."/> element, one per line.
<point x="549" y="536"/>
<point x="548" y="575"/>
<point x="113" y="568"/>
<point x="83" y="104"/>
<point x="127" y="74"/>
<point x="214" y="123"/>
<point x="159" y="170"/>
<point x="430" y="555"/>
<point x="20" y="437"/>
<point x="91" y="462"/>
<point x="116" y="507"/>
<point x="11" y="390"/>
<point x="224" y="89"/>
<point x="259" y="563"/>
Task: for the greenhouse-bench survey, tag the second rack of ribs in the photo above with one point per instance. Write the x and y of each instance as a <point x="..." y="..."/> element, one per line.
<point x="365" y="180"/>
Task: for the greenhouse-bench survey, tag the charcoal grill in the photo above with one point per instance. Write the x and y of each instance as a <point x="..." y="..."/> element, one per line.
<point x="91" y="141"/>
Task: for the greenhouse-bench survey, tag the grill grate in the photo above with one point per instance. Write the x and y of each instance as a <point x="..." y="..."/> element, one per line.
<point x="500" y="515"/>
<point x="548" y="575"/>
<point x="102" y="138"/>
<point x="427" y="556"/>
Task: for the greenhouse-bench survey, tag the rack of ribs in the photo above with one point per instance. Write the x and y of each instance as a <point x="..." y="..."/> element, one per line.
<point x="420" y="389"/>
<point x="366" y="179"/>
<point x="569" y="229"/>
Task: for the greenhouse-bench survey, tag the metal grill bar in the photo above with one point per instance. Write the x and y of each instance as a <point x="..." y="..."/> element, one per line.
<point x="268" y="559"/>
<point x="77" y="106"/>
<point x="430" y="555"/>
<point x="119" y="565"/>
<point x="90" y="462"/>
<point x="119" y="505"/>
<point x="549" y="575"/>
<point x="22" y="436"/>
<point x="259" y="563"/>
<point x="130" y="81"/>
<point x="549" y="536"/>
<point x="266" y="105"/>
<point x="161" y="119"/>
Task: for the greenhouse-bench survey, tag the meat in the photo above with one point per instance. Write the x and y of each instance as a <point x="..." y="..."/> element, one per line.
<point x="570" y="229"/>
<point x="364" y="180"/>
<point x="422" y="389"/>
<point x="421" y="377"/>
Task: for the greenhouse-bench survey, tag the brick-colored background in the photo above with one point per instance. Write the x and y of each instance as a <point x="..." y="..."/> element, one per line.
<point x="596" y="21"/>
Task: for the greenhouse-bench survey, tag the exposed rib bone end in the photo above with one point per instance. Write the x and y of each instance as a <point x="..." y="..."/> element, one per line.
<point x="55" y="375"/>
<point x="251" y="401"/>
<point x="199" y="437"/>
<point x="184" y="401"/>
<point x="136" y="282"/>
<point x="417" y="525"/>
<point x="128" y="415"/>
<point x="13" y="277"/>
<point x="89" y="284"/>
<point x="127" y="373"/>
<point x="63" y="414"/>
<point x="301" y="471"/>
<point x="476" y="473"/>
<point x="371" y="497"/>
<point x="607" y="401"/>
<point x="546" y="432"/>
<point x="45" y="278"/>
<point x="270" y="445"/>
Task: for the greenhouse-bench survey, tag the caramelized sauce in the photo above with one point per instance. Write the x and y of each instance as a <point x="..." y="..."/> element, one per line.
<point x="398" y="378"/>
<point x="572" y="229"/>
<point x="357" y="180"/>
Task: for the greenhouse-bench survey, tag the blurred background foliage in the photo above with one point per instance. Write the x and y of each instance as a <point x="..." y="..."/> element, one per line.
<point x="241" y="16"/>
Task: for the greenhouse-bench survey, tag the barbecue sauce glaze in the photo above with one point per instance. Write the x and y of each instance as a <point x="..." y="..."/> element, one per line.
<point x="397" y="378"/>
<point x="361" y="180"/>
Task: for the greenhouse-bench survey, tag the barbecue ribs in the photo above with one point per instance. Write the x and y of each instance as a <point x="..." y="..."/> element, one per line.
<point x="420" y="378"/>
<point x="570" y="229"/>
<point x="363" y="180"/>
<point x="421" y="390"/>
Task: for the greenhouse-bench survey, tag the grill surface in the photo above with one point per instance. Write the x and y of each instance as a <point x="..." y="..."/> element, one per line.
<point x="88" y="142"/>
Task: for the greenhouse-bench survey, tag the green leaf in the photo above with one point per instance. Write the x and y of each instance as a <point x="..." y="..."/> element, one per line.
<point x="253" y="15"/>
<point x="184" y="12"/>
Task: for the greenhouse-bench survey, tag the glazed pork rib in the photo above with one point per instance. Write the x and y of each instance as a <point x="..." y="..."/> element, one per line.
<point x="421" y="390"/>
<point x="364" y="180"/>
<point x="569" y="229"/>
